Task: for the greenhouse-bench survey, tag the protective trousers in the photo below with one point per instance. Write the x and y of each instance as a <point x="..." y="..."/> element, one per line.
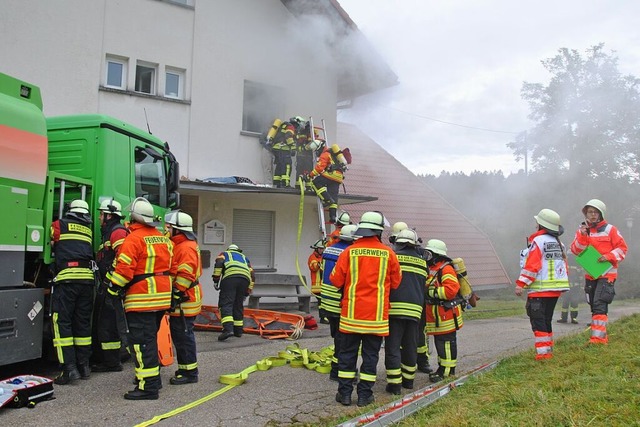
<point x="447" y="349"/>
<point x="185" y="344"/>
<point x="282" y="168"/>
<point x="105" y="326"/>
<point x="423" y="344"/>
<point x="327" y="191"/>
<point x="334" y="324"/>
<point x="401" y="351"/>
<point x="232" y="293"/>
<point x="143" y="343"/>
<point x="72" y="306"/>
<point x="348" y="359"/>
<point x="600" y="294"/>
<point x="540" y="312"/>
<point x="570" y="299"/>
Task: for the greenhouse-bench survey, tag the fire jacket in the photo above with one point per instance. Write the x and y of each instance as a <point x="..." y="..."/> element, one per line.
<point x="328" y="166"/>
<point x="333" y="237"/>
<point x="545" y="270"/>
<point x="606" y="239"/>
<point x="186" y="269"/>
<point x="331" y="296"/>
<point x="367" y="270"/>
<point x="142" y="268"/>
<point x="442" y="287"/>
<point x="285" y="138"/>
<point x="233" y="263"/>
<point x="408" y="299"/>
<point x="113" y="234"/>
<point x="72" y="239"/>
<point x="315" y="268"/>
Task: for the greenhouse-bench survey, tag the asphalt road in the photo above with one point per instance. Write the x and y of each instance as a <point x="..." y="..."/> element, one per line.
<point x="280" y="396"/>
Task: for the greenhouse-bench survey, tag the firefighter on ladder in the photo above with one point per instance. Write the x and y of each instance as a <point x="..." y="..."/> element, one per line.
<point x="109" y="337"/>
<point x="186" y="269"/>
<point x="234" y="277"/>
<point x="142" y="275"/>
<point x="327" y="175"/>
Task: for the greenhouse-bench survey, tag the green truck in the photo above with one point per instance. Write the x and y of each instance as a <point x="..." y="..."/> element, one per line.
<point x="44" y="164"/>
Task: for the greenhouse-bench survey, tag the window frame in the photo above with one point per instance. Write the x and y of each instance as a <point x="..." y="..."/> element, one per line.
<point x="180" y="73"/>
<point x="123" y="77"/>
<point x="153" y="81"/>
<point x="261" y="104"/>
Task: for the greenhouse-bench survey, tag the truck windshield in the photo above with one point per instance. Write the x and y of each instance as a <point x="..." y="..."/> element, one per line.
<point x="151" y="178"/>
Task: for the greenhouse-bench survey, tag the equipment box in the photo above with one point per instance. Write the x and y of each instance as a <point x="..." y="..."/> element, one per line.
<point x="24" y="390"/>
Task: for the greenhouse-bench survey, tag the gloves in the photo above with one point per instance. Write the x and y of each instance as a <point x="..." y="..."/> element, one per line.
<point x="177" y="298"/>
<point x="114" y="291"/>
<point x="216" y="286"/>
<point x="248" y="292"/>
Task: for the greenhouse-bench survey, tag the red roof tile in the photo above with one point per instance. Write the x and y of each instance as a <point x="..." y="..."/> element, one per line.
<point x="402" y="196"/>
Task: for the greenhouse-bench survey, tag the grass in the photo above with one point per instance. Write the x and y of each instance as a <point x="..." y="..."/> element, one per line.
<point x="492" y="308"/>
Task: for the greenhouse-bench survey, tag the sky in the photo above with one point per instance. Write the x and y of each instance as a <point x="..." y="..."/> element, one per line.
<point x="461" y="65"/>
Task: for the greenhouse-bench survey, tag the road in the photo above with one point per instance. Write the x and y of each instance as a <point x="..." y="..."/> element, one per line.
<point x="280" y="396"/>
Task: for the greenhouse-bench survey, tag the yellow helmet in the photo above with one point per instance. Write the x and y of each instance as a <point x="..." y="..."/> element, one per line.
<point x="408" y="236"/>
<point x="319" y="244"/>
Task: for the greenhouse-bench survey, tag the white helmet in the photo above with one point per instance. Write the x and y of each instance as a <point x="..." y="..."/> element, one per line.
<point x="233" y="247"/>
<point x="179" y="220"/>
<point x="548" y="219"/>
<point x="346" y="232"/>
<point x="343" y="219"/>
<point x="315" y="145"/>
<point x="595" y="203"/>
<point x="437" y="247"/>
<point x="407" y="236"/>
<point x="319" y="244"/>
<point x="111" y="206"/>
<point x="371" y="224"/>
<point x="142" y="211"/>
<point x="79" y="206"/>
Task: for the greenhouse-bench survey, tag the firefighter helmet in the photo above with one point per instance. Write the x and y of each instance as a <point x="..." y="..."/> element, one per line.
<point x="79" y="206"/>
<point x="408" y="236"/>
<point x="233" y="247"/>
<point x="343" y="219"/>
<point x="346" y="232"/>
<point x="179" y="220"/>
<point x="395" y="229"/>
<point x="371" y="224"/>
<point x="595" y="203"/>
<point x="315" y="145"/>
<point x="437" y="247"/>
<point x="111" y="206"/>
<point x="319" y="244"/>
<point x="548" y="219"/>
<point x="142" y="211"/>
<point x="297" y="121"/>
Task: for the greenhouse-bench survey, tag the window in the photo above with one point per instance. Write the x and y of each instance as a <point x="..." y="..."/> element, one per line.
<point x="145" y="78"/>
<point x="116" y="73"/>
<point x="151" y="179"/>
<point x="261" y="105"/>
<point x="174" y="83"/>
<point x="253" y="232"/>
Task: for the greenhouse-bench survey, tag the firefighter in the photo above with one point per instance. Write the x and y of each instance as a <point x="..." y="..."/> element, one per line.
<point x="334" y="237"/>
<point x="330" y="296"/>
<point x="406" y="305"/>
<point x="314" y="262"/>
<point x="234" y="277"/>
<point x="545" y="277"/>
<point x="72" y="292"/>
<point x="142" y="276"/>
<point x="186" y="269"/>
<point x="571" y="298"/>
<point x="443" y="313"/>
<point x="366" y="272"/>
<point x="608" y="241"/>
<point x="305" y="149"/>
<point x="105" y="317"/>
<point x="326" y="177"/>
<point x="396" y="228"/>
<point x="283" y="147"/>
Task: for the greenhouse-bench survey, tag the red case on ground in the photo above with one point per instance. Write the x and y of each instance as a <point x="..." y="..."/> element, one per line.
<point x="24" y="390"/>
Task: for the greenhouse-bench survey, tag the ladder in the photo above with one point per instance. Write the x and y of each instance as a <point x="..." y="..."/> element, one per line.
<point x="321" y="210"/>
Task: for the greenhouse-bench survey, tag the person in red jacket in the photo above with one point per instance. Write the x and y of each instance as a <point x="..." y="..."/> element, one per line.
<point x="326" y="177"/>
<point x="608" y="241"/>
<point x="366" y="271"/>
<point x="142" y="275"/>
<point x="314" y="262"/>
<point x="334" y="237"/>
<point x="186" y="269"/>
<point x="545" y="277"/>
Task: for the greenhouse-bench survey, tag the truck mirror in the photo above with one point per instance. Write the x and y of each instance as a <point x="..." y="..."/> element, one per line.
<point x="174" y="200"/>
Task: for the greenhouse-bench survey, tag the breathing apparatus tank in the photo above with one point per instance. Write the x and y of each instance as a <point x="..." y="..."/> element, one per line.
<point x="335" y="150"/>
<point x="273" y="129"/>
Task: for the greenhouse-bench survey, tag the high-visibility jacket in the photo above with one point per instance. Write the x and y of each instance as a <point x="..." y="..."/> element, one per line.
<point x="186" y="268"/>
<point x="328" y="166"/>
<point x="72" y="239"/>
<point x="142" y="267"/>
<point x="285" y="138"/>
<point x="442" y="285"/>
<point x="408" y="299"/>
<point x="315" y="268"/>
<point x="545" y="270"/>
<point x="367" y="270"/>
<point x="113" y="235"/>
<point x="606" y="239"/>
<point x="333" y="237"/>
<point x="331" y="296"/>
<point x="233" y="263"/>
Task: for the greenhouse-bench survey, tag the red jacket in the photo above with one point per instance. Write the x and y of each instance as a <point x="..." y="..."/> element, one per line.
<point x="328" y="167"/>
<point x="367" y="270"/>
<point x="315" y="268"/>
<point x="441" y="320"/>
<point x="606" y="239"/>
<point x="186" y="269"/>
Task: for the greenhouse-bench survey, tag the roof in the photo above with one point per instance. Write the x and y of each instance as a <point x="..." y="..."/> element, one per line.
<point x="402" y="196"/>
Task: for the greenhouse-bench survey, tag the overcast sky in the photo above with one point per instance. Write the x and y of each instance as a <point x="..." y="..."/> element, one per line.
<point x="464" y="62"/>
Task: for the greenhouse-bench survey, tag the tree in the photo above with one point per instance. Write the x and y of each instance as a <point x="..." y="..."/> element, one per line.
<point x="587" y="117"/>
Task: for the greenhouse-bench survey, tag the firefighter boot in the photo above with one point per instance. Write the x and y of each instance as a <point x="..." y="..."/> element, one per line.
<point x="184" y="378"/>
<point x="68" y="375"/>
<point x="85" y="370"/>
<point x="364" y="401"/>
<point x="395" y="389"/>
<point x="137" y="394"/>
<point x="407" y="383"/>
<point x="574" y="317"/>
<point x="563" y="317"/>
<point x="237" y="331"/>
<point x="343" y="399"/>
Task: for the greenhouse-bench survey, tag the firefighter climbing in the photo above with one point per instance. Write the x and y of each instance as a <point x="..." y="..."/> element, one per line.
<point x="281" y="140"/>
<point x="328" y="174"/>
